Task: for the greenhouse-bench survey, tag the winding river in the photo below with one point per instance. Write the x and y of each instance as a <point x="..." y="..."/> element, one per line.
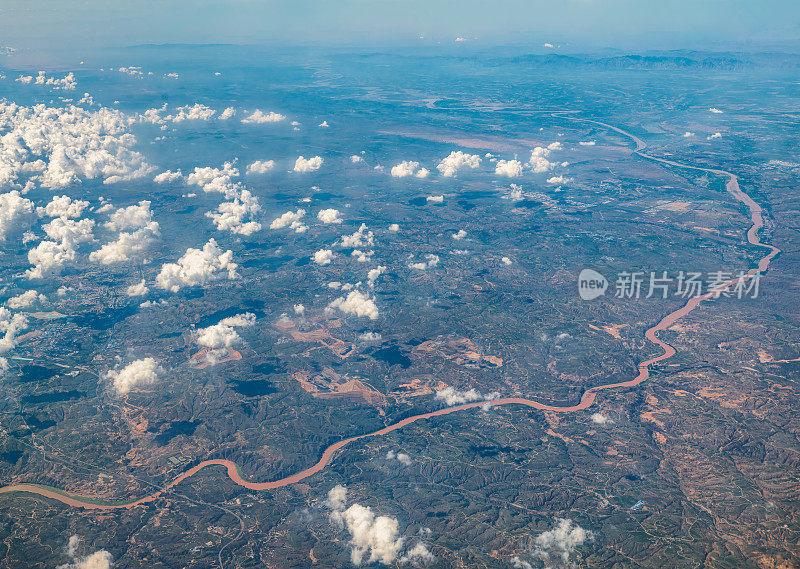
<point x="587" y="399"/>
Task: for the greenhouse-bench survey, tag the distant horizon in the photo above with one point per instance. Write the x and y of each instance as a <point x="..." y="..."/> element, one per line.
<point x="573" y="24"/>
<point x="784" y="55"/>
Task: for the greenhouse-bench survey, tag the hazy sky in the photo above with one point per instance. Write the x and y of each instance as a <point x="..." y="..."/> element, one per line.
<point x="615" y="23"/>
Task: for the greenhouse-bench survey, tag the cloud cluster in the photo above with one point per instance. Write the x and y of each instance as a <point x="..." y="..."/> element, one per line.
<point x="196" y="112"/>
<point x="216" y="180"/>
<point x="133" y="70"/>
<point x="69" y="231"/>
<point x="599" y="419"/>
<point x="373" y="274"/>
<point x="452" y="396"/>
<point x="558" y="180"/>
<point x="357" y="304"/>
<point x="519" y="563"/>
<point x="138" y="372"/>
<point x="260" y="166"/>
<point x="55" y="147"/>
<point x="400" y="457"/>
<point x="554" y="547"/>
<point x="230" y="216"/>
<point x="259" y="117"/>
<point x="372" y="538"/>
<point x="362" y="256"/>
<point x="235" y="215"/>
<point x="303" y="164"/>
<point x="370" y="337"/>
<point x="418" y="556"/>
<point x="457" y="160"/>
<point x="510" y="168"/>
<point x="63" y="206"/>
<point x="198" y="267"/>
<point x="138" y="289"/>
<point x="222" y="334"/>
<point x="101" y="559"/>
<point x="539" y="162"/>
<point x="26" y="300"/>
<point x="10" y="327"/>
<point x="328" y="216"/>
<point x="168" y="176"/>
<point x="323" y="257"/>
<point x="407" y="168"/>
<point x="51" y="256"/>
<point x="430" y="261"/>
<point x="130" y="217"/>
<point x="48" y="257"/>
<point x="67" y="83"/>
<point x="292" y="220"/>
<point x="129" y="244"/>
<point x="361" y="238"/>
<point x="16" y="212"/>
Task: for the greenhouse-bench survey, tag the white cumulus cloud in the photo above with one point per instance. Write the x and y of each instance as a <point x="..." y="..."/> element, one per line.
<point x="400" y="457"/>
<point x="139" y="372"/>
<point x="407" y="168"/>
<point x="101" y="559"/>
<point x="303" y="164"/>
<point x="510" y="168"/>
<point x="16" y="212"/>
<point x="361" y="238"/>
<point x="418" y="556"/>
<point x="138" y="289"/>
<point x="457" y="160"/>
<point x="131" y="217"/>
<point x="539" y="162"/>
<point x="26" y="300"/>
<point x="373" y="274"/>
<point x="63" y="206"/>
<point x="259" y="117"/>
<point x="260" y="166"/>
<point x="330" y="216"/>
<point x="168" y="176"/>
<point x="54" y="147"/>
<point x="198" y="267"/>
<point x="10" y="327"/>
<point x="233" y="216"/>
<point x="129" y="244"/>
<point x="357" y="304"/>
<point x="452" y="396"/>
<point x="558" y="544"/>
<point x="222" y="334"/>
<point x="290" y="219"/>
<point x="430" y="261"/>
<point x="372" y="538"/>
<point x="323" y="257"/>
